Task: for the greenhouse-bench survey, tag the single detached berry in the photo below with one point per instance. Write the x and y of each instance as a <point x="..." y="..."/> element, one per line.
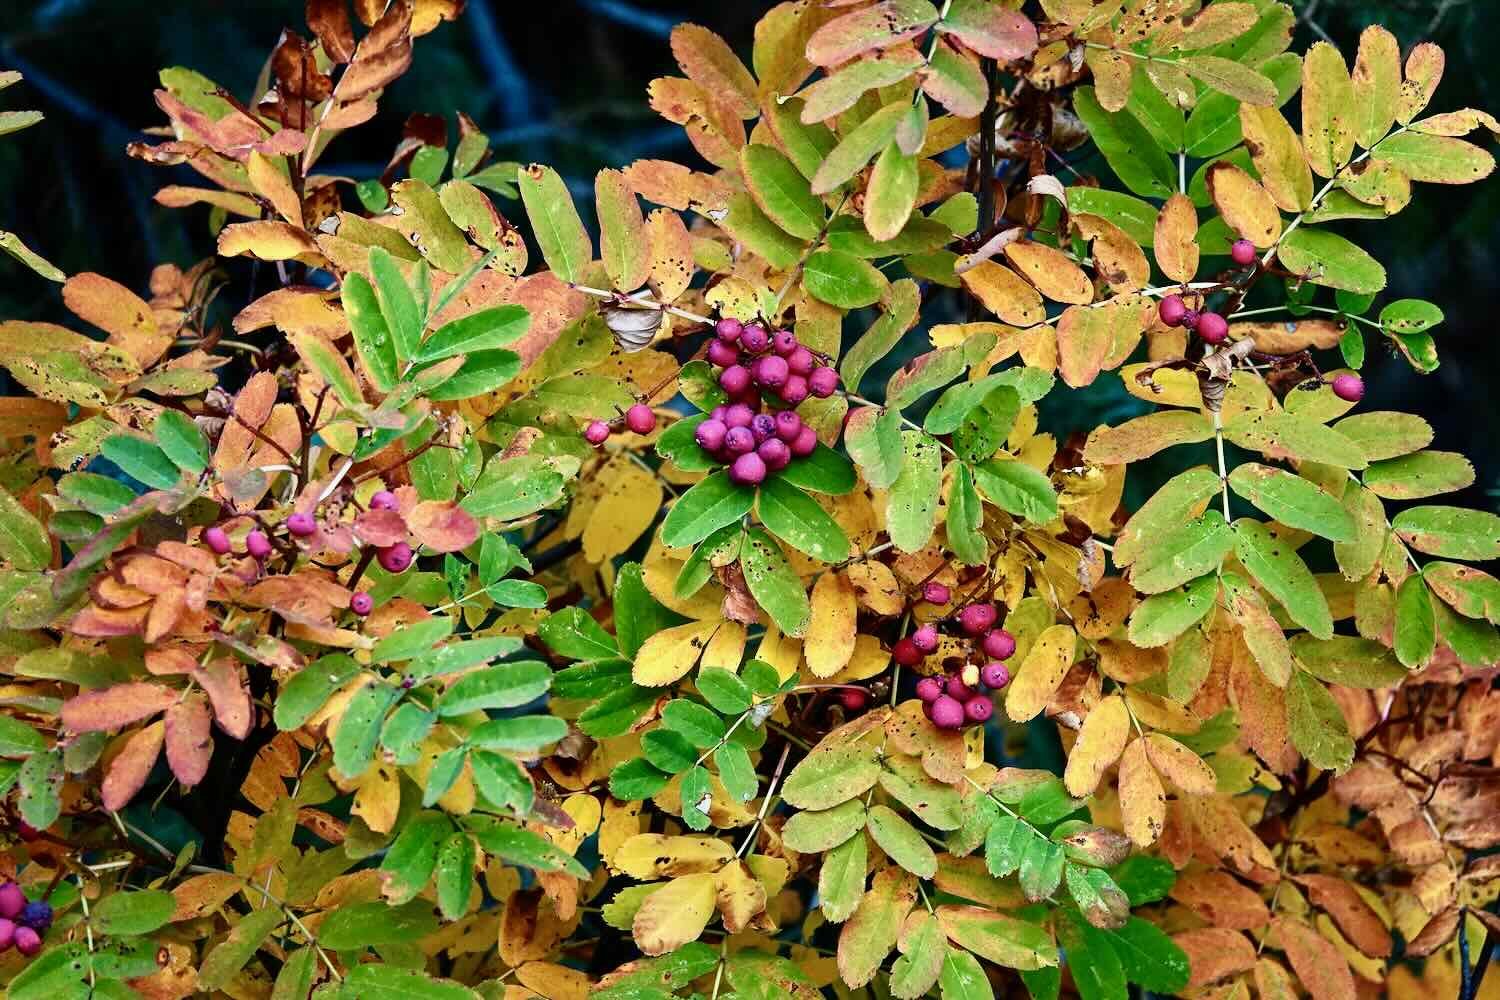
<point x="710" y="434"/>
<point x="998" y="644"/>
<point x="37" y="915"/>
<point x="301" y="524"/>
<point x="739" y="440"/>
<point x="362" y="603"/>
<point x="936" y="593"/>
<point x="977" y="618"/>
<point x="217" y="539"/>
<point x="722" y="355"/>
<point x="771" y="372"/>
<point x="395" y="558"/>
<point x="925" y="638"/>
<point x="738" y="415"/>
<point x="12" y="901"/>
<point x="978" y="708"/>
<point x="755" y="338"/>
<point x="929" y="689"/>
<point x="947" y="713"/>
<point x="1172" y="310"/>
<point x="1242" y="252"/>
<point x="794" y="390"/>
<point x="906" y="653"/>
<point x="854" y="699"/>
<point x="7" y="934"/>
<point x="748" y="470"/>
<point x="1349" y="388"/>
<point x="257" y="544"/>
<point x="823" y="382"/>
<point x="28" y="941"/>
<point x="596" y="433"/>
<point x="386" y="500"/>
<point x="783" y="342"/>
<point x="775" y="453"/>
<point x="640" y="419"/>
<point x="806" y="443"/>
<point x="994" y="675"/>
<point x="728" y="329"/>
<point x="801" y="361"/>
<point x="1212" y="327"/>
<point x="735" y="379"/>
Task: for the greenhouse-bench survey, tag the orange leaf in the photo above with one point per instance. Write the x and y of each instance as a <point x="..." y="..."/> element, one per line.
<point x="442" y="526"/>
<point x="115" y="707"/>
<point x="131" y="766"/>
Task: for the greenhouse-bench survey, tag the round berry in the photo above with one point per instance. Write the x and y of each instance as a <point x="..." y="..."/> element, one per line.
<point x="1349" y="388"/>
<point x="1172" y="310"/>
<point x="806" y="443"/>
<point x="800" y="361"/>
<point x="976" y="618"/>
<point x="998" y="644"/>
<point x="710" y="434"/>
<point x="386" y="500"/>
<point x="718" y="412"/>
<point x="788" y="426"/>
<point x="395" y="558"/>
<point x="738" y="415"/>
<point x="763" y="426"/>
<point x="775" y="453"/>
<point x="947" y="713"/>
<point x="739" y="440"/>
<point x="27" y="831"/>
<point x="7" y="934"/>
<point x="257" y="544"/>
<point x="735" y="379"/>
<point x="362" y="603"/>
<point x="823" y="382"/>
<point x="994" y="675"/>
<point x="936" y="593"/>
<point x="956" y="688"/>
<point x="722" y="355"/>
<point x="854" y="699"/>
<point x="301" y="524"/>
<point x="728" y="329"/>
<point x="28" y="941"/>
<point x="755" y="339"/>
<point x="748" y="470"/>
<point x="640" y="419"/>
<point x="978" y="708"/>
<point x="783" y="342"/>
<point x="596" y="433"/>
<point x="1242" y="252"/>
<point x="217" y="539"/>
<point x="12" y="901"/>
<point x="37" y="915"/>
<point x="794" y="390"/>
<point x="771" y="372"/>
<point x="1212" y="327"/>
<point x="906" y="653"/>
<point x="929" y="689"/>
<point x="925" y="638"/>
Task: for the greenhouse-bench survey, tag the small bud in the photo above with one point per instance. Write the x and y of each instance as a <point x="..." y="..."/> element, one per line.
<point x="994" y="675"/>
<point x="763" y="426"/>
<point x="1212" y="327"/>
<point x="722" y="355"/>
<point x="929" y="689"/>
<point x="956" y="688"/>
<point x="823" y="382"/>
<point x="755" y="339"/>
<point x="771" y="372"/>
<point x="976" y="618"/>
<point x="794" y="390"/>
<point x="783" y="342"/>
<point x="7" y="934"/>
<point x="739" y="440"/>
<point x="28" y="941"/>
<point x="788" y="426"/>
<point x="806" y="443"/>
<point x="37" y="915"/>
<point x="775" y="453"/>
<point x="12" y="901"/>
<point x="640" y="419"/>
<point x="738" y="415"/>
<point x="854" y="699"/>
<point x="735" y="379"/>
<point x="801" y="361"/>
<point x="710" y="434"/>
<point x="998" y="644"/>
<point x="947" y="713"/>
<point x="978" y="708"/>
<point x="906" y="653"/>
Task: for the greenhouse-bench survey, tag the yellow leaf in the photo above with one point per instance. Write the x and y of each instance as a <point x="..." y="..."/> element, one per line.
<point x="1327" y="109"/>
<point x="1005" y="293"/>
<point x="1040" y="673"/>
<point x="1052" y="272"/>
<point x="555" y="982"/>
<point x="267" y="241"/>
<point x="272" y="184"/>
<point x="675" y="914"/>
<point x="876" y="587"/>
<point x="740" y="896"/>
<point x="1098" y="746"/>
<point x="829" y="642"/>
<point x="1179" y="765"/>
<point x="671" y="653"/>
<point x="1143" y="800"/>
<point x="782" y="652"/>
<point x="671" y="254"/>
<point x="1092" y="338"/>
<point x="1164" y="386"/>
<point x="870" y="659"/>
<point x="1118" y="259"/>
<point x="1278" y="157"/>
<point x="130" y="321"/>
<point x="727" y="647"/>
<point x="655" y="855"/>
<point x="1176" y="245"/>
<point x="379" y="798"/>
<point x="622" y="821"/>
<point x="629" y="500"/>
<point x="1247" y="208"/>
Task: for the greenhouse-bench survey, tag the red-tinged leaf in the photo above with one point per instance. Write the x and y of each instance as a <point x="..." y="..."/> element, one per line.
<point x="380" y="527"/>
<point x="131" y="766"/>
<point x="189" y="742"/>
<point x="991" y="29"/>
<point x="1323" y="971"/>
<point x="267" y="241"/>
<point x="329" y="20"/>
<point x="881" y="26"/>
<point x="709" y="62"/>
<point x="115" y="707"/>
<point x="225" y="684"/>
<point x="382" y="56"/>
<point x="112" y="307"/>
<point x="443" y="526"/>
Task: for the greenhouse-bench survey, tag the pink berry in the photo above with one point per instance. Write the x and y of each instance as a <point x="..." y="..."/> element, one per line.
<point x="735" y="379"/>
<point x="1190" y="319"/>
<point x="794" y="390"/>
<point x="854" y="699"/>
<point x="936" y="593"/>
<point x="771" y="372"/>
<point x="718" y="412"/>
<point x="28" y="941"/>
<point x="947" y="713"/>
<point x="763" y="426"/>
<point x="395" y="558"/>
<point x="929" y="689"/>
<point x="1212" y="327"/>
<point x="362" y="603"/>
<point x="998" y="644"/>
<point x="728" y="329"/>
<point x="1242" y="252"/>
<point x="301" y="524"/>
<point x="956" y="688"/>
<point x="800" y="361"/>
<point x="788" y="426"/>
<point x="739" y="440"/>
<point x="1349" y="388"/>
<point x="978" y="708"/>
<point x="748" y="470"/>
<point x="386" y="500"/>
<point x="738" y="415"/>
<point x="775" y="453"/>
<point x="596" y="433"/>
<point x="806" y="443"/>
<point x="710" y="434"/>
<point x="640" y="419"/>
<point x="722" y="355"/>
<point x="975" y="618"/>
<point x="783" y="342"/>
<point x="7" y="934"/>
<point x="925" y="638"/>
<point x="1172" y="310"/>
<point x="906" y="653"/>
<point x="257" y="544"/>
<point x="12" y="901"/>
<point x="755" y="339"/>
<point x="217" y="539"/>
<point x="994" y="675"/>
<point x="823" y="382"/>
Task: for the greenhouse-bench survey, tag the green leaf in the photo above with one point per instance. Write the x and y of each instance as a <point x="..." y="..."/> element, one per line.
<point x="1317" y="725"/>
<point x="1145" y="879"/>
<point x="1183" y="553"/>
<point x="1419" y="475"/>
<point x="781" y="192"/>
<point x="379" y="981"/>
<point x="94" y="493"/>
<point x="796" y="519"/>
<point x="724" y="690"/>
<point x="901" y="842"/>
<point x="409" y="862"/>
<point x="615" y="713"/>
<point x="1435" y="159"/>
<point x="1136" y="217"/>
<point x="138" y="912"/>
<point x="750" y="226"/>
<point x="504" y="686"/>
<point x="918" y="968"/>
<point x="181" y="440"/>
<point x="1292" y="500"/>
<point x="416" y="638"/>
<point x="1097" y="971"/>
<point x="923" y="374"/>
<point x="295" y="980"/>
<point x="309" y="688"/>
<point x="402" y="312"/>
<point x="358" y="926"/>
<point x="818" y="830"/>
<point x="1127" y="146"/>
<point x="1410" y="316"/>
<point x="40" y="778"/>
<point x="719" y="549"/>
<point x="1328" y="259"/>
<point x="828" y="777"/>
<point x="229" y="956"/>
<point x="141" y="460"/>
<point x="1173" y="503"/>
<point x="457" y="656"/>
<point x="485" y="330"/>
<point x="1006" y="940"/>
<point x="736" y="772"/>
<point x="1416" y="623"/>
<point x="482" y="372"/>
<point x="1162" y="617"/>
<point x="17" y="739"/>
<point x="455" y="875"/>
<point x="774" y="584"/>
<point x="1041" y="868"/>
<point x="559" y="231"/>
<point x="700" y="726"/>
<point x="892" y="192"/>
<point x="965" y="518"/>
<point x="1103" y="903"/>
<point x="824" y="471"/>
<point x="901" y="307"/>
<point x="502" y="781"/>
<point x="512" y="488"/>
<point x="678" y="445"/>
<point x="1018" y="489"/>
<point x="856" y="149"/>
<point x="668" y="750"/>
<point x="23" y="540"/>
<point x="1348" y="660"/>
<point x="1475" y="643"/>
<point x="1276" y="566"/>
<point x="704" y="509"/>
<point x="842" y="279"/>
<point x="372" y="338"/>
<point x="1149" y="957"/>
<point x="573" y="633"/>
<point x="1284" y="433"/>
<point x="585" y="397"/>
<point x="841" y="879"/>
<point x="1450" y="532"/>
<point x="524" y="732"/>
<point x="697" y="795"/>
<point x="358" y="731"/>
<point x="963" y="977"/>
<point x="635" y="780"/>
<point x="638" y="615"/>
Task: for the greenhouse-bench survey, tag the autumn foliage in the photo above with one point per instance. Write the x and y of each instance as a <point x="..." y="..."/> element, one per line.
<point x="421" y="597"/>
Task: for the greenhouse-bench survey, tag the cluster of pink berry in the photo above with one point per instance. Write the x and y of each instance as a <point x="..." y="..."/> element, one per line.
<point x="757" y="367"/>
<point x="963" y="696"/>
<point x="22" y="923"/>
<point x="639" y="419"/>
<point x="1213" y="328"/>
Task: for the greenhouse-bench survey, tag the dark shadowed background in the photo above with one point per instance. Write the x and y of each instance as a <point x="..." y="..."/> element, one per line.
<point x="564" y="82"/>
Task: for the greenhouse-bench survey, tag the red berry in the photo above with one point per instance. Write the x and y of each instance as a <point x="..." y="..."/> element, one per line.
<point x="12" y="901"/>
<point x="783" y="342"/>
<point x="739" y="440"/>
<point x="806" y="443"/>
<point x="217" y="539"/>
<point x="257" y="544"/>
<point x="800" y="361"/>
<point x="28" y="941"/>
<point x="1349" y="388"/>
<point x="978" y="708"/>
<point x="998" y="644"/>
<point x="728" y="329"/>
<point x="775" y="453"/>
<point x="27" y="831"/>
<point x="7" y="934"/>
<point x="301" y="524"/>
<point x="936" y="593"/>
<point x="395" y="558"/>
<point x="386" y="500"/>
<point x="735" y="379"/>
<point x="906" y="653"/>
<point x="738" y="415"/>
<point x="925" y="638"/>
<point x="640" y="419"/>
<point x="1212" y="327"/>
<point x="994" y="675"/>
<point x="596" y="433"/>
<point x="956" y="688"/>
<point x="976" y="618"/>
<point x="823" y="382"/>
<point x="794" y="390"/>
<point x="710" y="434"/>
<point x="755" y="339"/>
<point x="947" y="713"/>
<point x="771" y="372"/>
<point x="929" y="689"/>
<point x="854" y="699"/>
<point x="1172" y="310"/>
<point x="748" y="470"/>
<point x="362" y="603"/>
<point x="722" y="355"/>
<point x="1242" y="252"/>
